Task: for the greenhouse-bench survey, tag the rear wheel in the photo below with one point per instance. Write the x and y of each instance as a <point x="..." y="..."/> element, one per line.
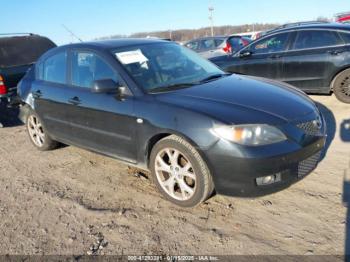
<point x="180" y="173"/>
<point x="341" y="86"/>
<point x="37" y="133"/>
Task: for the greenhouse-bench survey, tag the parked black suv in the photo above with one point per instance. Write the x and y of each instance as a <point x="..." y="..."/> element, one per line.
<point x="313" y="56"/>
<point x="17" y="55"/>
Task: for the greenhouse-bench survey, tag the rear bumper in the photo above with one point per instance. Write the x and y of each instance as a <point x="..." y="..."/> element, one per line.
<point x="236" y="176"/>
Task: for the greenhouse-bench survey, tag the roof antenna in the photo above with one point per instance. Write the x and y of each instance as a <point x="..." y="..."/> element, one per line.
<point x="71" y="33"/>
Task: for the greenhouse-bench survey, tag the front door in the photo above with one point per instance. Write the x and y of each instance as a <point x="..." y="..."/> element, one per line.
<point x="99" y="121"/>
<point x="263" y="58"/>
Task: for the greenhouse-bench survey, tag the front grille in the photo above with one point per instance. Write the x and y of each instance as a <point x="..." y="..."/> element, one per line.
<point x="306" y="166"/>
<point x="310" y="128"/>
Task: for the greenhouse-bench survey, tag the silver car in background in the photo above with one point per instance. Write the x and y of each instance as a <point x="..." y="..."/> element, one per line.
<point x="209" y="47"/>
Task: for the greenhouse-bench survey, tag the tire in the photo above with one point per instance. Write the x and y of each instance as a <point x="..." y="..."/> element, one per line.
<point x="341" y="86"/>
<point x="183" y="178"/>
<point x="37" y="133"/>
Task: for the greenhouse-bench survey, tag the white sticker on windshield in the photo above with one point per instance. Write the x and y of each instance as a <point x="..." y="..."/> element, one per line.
<point x="131" y="57"/>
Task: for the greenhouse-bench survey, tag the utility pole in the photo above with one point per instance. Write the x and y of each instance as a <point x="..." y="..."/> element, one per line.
<point x="171" y="34"/>
<point x="211" y="9"/>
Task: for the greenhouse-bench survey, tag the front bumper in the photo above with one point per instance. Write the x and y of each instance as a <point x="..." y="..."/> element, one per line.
<point x="234" y="176"/>
<point x="236" y="168"/>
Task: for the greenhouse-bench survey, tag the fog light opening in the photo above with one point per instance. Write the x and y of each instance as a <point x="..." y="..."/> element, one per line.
<point x="268" y="180"/>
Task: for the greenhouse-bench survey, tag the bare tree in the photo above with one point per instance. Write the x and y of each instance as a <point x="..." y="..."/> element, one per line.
<point x="182" y="35"/>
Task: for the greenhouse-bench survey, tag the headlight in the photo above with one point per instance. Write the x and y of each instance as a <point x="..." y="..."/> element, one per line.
<point x="251" y="135"/>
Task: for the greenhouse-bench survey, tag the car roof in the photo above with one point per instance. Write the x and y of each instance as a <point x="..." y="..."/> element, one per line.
<point x="116" y="43"/>
<point x="296" y="26"/>
<point x="208" y="37"/>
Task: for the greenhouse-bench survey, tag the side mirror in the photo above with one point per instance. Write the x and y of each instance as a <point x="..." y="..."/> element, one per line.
<point x="104" y="86"/>
<point x="245" y="53"/>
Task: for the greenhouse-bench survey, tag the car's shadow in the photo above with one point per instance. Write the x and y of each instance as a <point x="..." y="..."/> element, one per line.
<point x="9" y="116"/>
<point x="345" y="137"/>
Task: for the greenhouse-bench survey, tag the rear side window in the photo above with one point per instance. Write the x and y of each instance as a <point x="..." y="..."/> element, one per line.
<point x="237" y="43"/>
<point x="208" y="44"/>
<point x="345" y="36"/>
<point x="275" y="43"/>
<point x="88" y="67"/>
<point x="54" y="68"/>
<point x="218" y="42"/>
<point x="315" y="39"/>
<point x="193" y="45"/>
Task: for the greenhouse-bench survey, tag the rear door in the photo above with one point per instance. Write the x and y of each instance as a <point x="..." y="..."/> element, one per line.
<point x="49" y="91"/>
<point x="311" y="58"/>
<point x="262" y="58"/>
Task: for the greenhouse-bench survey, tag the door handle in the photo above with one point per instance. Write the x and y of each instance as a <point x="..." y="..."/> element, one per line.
<point x="37" y="94"/>
<point x="74" y="101"/>
<point x="275" y="56"/>
<point x="336" y="52"/>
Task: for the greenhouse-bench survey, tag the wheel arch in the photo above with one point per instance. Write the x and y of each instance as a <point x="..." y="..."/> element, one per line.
<point x="157" y="137"/>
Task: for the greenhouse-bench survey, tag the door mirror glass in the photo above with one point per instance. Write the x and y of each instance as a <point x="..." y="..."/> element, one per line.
<point x="104" y="86"/>
<point x="122" y="92"/>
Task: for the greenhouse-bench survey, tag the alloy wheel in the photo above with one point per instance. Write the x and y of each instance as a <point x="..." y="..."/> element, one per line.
<point x="175" y="174"/>
<point x="345" y="86"/>
<point x="36" y="131"/>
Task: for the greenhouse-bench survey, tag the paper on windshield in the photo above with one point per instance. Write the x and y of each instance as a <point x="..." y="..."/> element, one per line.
<point x="130" y="57"/>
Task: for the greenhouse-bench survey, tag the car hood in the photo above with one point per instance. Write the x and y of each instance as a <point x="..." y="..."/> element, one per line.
<point x="240" y="99"/>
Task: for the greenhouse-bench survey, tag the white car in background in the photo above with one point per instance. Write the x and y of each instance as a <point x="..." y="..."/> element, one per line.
<point x="251" y="35"/>
<point x="209" y="47"/>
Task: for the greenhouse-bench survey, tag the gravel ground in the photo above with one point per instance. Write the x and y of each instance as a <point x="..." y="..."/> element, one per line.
<point x="70" y="201"/>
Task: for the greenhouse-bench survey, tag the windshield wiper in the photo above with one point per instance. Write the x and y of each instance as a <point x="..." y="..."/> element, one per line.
<point x="213" y="77"/>
<point x="171" y="87"/>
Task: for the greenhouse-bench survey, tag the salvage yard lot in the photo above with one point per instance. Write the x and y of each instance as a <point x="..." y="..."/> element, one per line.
<point x="67" y="200"/>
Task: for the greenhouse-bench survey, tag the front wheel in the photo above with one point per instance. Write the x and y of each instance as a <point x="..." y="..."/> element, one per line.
<point x="341" y="86"/>
<point x="37" y="133"/>
<point x="180" y="173"/>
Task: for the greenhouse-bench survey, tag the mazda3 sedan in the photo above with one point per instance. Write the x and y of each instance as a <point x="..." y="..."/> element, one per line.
<point x="161" y="107"/>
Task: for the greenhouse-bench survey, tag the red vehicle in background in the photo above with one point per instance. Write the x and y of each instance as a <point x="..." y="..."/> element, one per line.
<point x="343" y="17"/>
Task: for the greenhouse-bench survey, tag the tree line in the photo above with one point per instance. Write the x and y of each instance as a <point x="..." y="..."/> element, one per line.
<point x="182" y="35"/>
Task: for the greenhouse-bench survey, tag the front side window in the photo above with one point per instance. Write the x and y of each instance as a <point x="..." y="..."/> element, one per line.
<point x="54" y="68"/>
<point x="315" y="39"/>
<point x="275" y="43"/>
<point x="87" y="67"/>
<point x="159" y="65"/>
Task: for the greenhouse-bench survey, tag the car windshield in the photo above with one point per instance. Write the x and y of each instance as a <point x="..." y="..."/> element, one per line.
<point x="165" y="66"/>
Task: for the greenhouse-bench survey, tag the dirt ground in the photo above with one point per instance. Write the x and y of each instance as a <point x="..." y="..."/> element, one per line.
<point x="69" y="201"/>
